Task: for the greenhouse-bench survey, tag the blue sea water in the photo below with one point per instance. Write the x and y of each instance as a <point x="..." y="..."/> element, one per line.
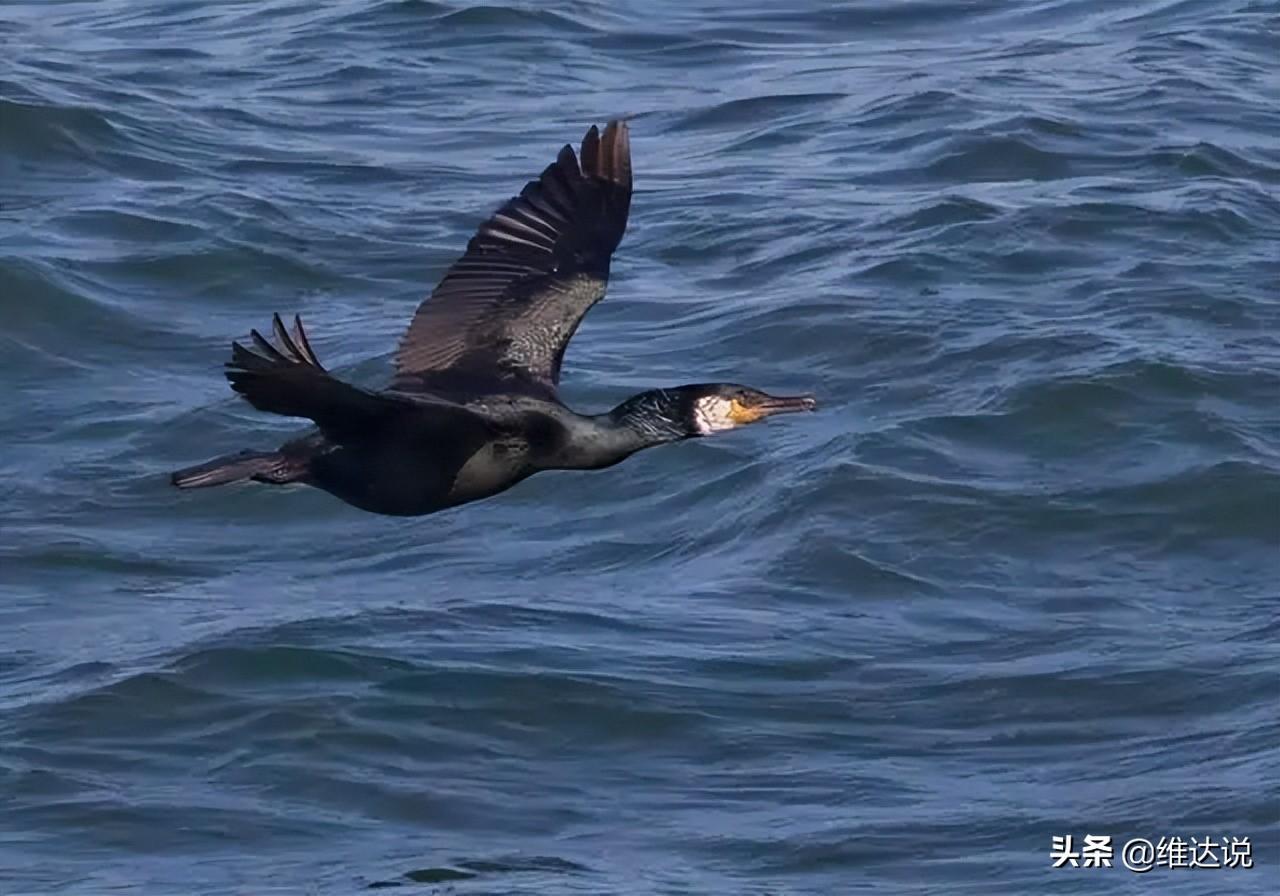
<point x="1019" y="579"/>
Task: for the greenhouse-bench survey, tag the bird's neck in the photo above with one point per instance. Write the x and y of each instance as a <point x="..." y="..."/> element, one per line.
<point x="648" y="419"/>
<point x="642" y="421"/>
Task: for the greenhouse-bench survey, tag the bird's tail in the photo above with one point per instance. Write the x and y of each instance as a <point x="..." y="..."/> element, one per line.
<point x="261" y="466"/>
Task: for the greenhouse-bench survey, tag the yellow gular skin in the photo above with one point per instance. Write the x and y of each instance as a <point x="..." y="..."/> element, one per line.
<point x="741" y="414"/>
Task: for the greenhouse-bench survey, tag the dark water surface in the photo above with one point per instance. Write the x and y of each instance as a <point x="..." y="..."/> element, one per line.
<point x="1018" y="579"/>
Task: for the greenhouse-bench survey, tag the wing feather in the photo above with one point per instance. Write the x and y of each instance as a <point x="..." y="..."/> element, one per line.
<point x="286" y="378"/>
<point x="510" y="304"/>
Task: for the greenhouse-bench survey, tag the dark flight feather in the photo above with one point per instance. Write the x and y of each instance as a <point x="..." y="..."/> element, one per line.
<point x="286" y="378"/>
<point x="505" y="311"/>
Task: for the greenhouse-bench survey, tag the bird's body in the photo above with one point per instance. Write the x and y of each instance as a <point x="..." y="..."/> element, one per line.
<point x="473" y="407"/>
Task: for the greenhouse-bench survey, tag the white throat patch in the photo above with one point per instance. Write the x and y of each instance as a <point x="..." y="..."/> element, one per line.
<point x="713" y="414"/>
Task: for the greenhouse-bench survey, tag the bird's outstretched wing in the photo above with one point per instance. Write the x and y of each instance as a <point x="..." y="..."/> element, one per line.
<point x="288" y="379"/>
<point x="507" y="308"/>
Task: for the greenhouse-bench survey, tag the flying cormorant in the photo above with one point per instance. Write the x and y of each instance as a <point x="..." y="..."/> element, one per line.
<point x="473" y="406"/>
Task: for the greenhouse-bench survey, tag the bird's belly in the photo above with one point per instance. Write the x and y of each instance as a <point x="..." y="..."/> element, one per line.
<point x="401" y="479"/>
<point x="495" y="467"/>
<point x="390" y="480"/>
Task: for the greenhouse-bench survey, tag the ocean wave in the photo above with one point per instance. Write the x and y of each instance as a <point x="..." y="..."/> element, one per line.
<point x="46" y="131"/>
<point x="750" y="110"/>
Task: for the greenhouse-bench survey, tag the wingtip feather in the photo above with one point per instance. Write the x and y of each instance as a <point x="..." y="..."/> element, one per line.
<point x="289" y="351"/>
<point x="300" y="337"/>
<point x="608" y="155"/>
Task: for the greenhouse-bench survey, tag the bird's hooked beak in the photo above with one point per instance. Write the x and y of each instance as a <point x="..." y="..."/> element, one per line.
<point x="760" y="405"/>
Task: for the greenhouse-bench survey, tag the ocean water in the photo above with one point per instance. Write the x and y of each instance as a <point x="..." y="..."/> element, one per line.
<point x="1019" y="579"/>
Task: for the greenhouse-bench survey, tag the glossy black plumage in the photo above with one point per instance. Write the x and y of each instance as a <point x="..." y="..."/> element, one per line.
<point x="473" y="406"/>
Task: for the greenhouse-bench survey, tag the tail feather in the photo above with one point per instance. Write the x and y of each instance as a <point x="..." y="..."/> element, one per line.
<point x="262" y="466"/>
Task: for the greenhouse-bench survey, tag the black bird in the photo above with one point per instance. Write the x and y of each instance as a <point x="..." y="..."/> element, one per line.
<point x="473" y="406"/>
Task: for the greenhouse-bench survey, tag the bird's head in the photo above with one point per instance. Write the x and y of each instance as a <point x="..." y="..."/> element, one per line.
<point x="703" y="409"/>
<point x="717" y="407"/>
